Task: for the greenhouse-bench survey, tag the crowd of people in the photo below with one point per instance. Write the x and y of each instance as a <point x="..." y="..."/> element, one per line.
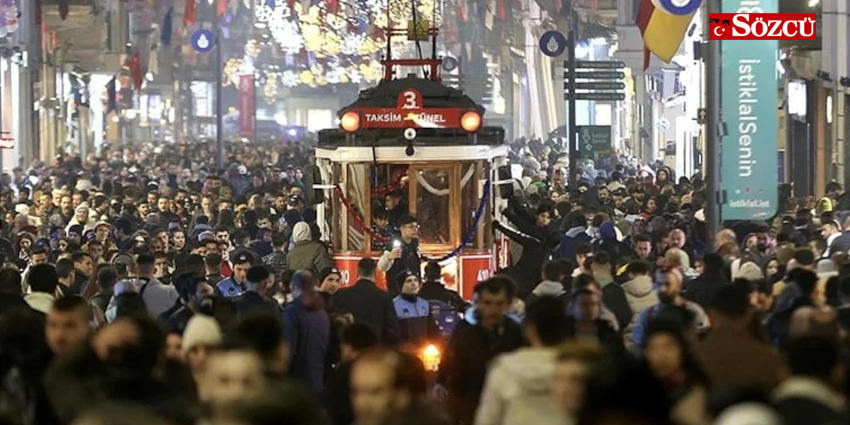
<point x="144" y="286"/>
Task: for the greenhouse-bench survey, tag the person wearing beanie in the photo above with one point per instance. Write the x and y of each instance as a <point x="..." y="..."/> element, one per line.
<point x="307" y="254"/>
<point x="329" y="281"/>
<point x="414" y="312"/>
<point x="202" y="333"/>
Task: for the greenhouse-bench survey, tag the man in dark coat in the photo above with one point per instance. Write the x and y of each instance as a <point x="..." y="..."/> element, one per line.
<point x="370" y="305"/>
<point x="307" y="328"/>
<point x="485" y="333"/>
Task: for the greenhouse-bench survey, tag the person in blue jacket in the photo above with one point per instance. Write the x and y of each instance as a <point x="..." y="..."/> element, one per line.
<point x="414" y="312"/>
<point x="236" y="285"/>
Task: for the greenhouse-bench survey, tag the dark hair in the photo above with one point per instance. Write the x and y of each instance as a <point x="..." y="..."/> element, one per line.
<point x="366" y="268"/>
<point x="584" y="248"/>
<point x="806" y="280"/>
<point x="804" y="256"/>
<point x="130" y="304"/>
<point x="580" y="292"/>
<point x="279" y="239"/>
<point x="813" y="356"/>
<point x="258" y="273"/>
<point x="553" y="270"/>
<point x="583" y="280"/>
<point x="73" y="303"/>
<point x="38" y="250"/>
<point x="549" y="319"/>
<point x="674" y="328"/>
<point x="638" y="267"/>
<point x="145" y="259"/>
<point x="10" y="281"/>
<point x="263" y="331"/>
<point x="602" y="258"/>
<point x="641" y="238"/>
<point x="43" y="278"/>
<point x="106" y="277"/>
<point x="64" y="268"/>
<point x="212" y="260"/>
<point x="186" y="284"/>
<point x="496" y="285"/>
<point x="433" y="271"/>
<point x="359" y="336"/>
<point x="731" y="301"/>
<point x="79" y="256"/>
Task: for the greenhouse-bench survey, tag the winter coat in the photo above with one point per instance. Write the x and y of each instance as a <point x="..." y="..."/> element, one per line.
<point x="308" y="255"/>
<point x="519" y="389"/>
<point x="641" y="294"/>
<point x="548" y="288"/>
<point x="307" y="328"/>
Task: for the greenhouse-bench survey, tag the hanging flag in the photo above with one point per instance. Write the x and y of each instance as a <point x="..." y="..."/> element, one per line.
<point x="190" y="14"/>
<point x="271" y="4"/>
<point x="166" y="27"/>
<point x="64" y="8"/>
<point x="502" y="9"/>
<point x="112" y="96"/>
<point x="135" y="66"/>
<point x="662" y="29"/>
<point x="291" y="4"/>
<point x="221" y="7"/>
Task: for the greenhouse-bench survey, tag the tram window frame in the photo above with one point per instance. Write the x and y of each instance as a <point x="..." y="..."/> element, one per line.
<point x="453" y="169"/>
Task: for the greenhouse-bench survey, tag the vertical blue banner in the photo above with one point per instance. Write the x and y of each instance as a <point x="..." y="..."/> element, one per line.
<point x="749" y="106"/>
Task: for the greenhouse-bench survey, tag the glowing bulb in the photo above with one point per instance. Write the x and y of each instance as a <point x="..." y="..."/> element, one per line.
<point x="350" y="122"/>
<point x="470" y="121"/>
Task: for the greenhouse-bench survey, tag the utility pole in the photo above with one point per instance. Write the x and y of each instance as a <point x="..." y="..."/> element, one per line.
<point x="713" y="135"/>
<point x="571" y="105"/>
<point x="219" y="112"/>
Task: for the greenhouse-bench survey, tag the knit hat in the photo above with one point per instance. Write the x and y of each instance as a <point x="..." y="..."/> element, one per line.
<point x="327" y="271"/>
<point x="201" y="330"/>
<point x="301" y="232"/>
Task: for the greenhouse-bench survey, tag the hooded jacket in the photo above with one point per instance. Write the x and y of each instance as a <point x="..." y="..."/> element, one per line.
<point x="641" y="294"/>
<point x="307" y="328"/>
<point x="306" y="254"/>
<point x="519" y="388"/>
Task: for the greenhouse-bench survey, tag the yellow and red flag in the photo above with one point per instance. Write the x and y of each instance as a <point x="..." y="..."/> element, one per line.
<point x="663" y="25"/>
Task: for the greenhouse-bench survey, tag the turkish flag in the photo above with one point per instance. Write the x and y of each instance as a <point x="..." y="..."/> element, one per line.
<point x="190" y="14"/>
<point x="221" y="7"/>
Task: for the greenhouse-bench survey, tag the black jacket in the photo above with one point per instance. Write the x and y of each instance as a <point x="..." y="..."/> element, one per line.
<point x="410" y="261"/>
<point x="371" y="306"/>
<point x="614" y="297"/>
<point x="435" y="291"/>
<point x="463" y="366"/>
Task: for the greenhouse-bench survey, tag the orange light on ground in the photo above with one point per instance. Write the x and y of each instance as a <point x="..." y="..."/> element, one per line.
<point x="350" y="122"/>
<point x="431" y="357"/>
<point x="470" y="121"/>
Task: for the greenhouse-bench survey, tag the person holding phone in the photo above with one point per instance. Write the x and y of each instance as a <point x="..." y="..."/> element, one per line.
<point x="403" y="255"/>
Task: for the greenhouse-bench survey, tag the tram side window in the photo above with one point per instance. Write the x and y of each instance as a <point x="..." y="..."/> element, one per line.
<point x="389" y="202"/>
<point x="433" y="206"/>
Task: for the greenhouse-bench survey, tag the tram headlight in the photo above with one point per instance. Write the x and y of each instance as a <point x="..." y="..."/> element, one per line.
<point x="350" y="121"/>
<point x="470" y="121"/>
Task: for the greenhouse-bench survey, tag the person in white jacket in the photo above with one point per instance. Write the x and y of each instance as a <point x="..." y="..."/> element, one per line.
<point x="519" y="386"/>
